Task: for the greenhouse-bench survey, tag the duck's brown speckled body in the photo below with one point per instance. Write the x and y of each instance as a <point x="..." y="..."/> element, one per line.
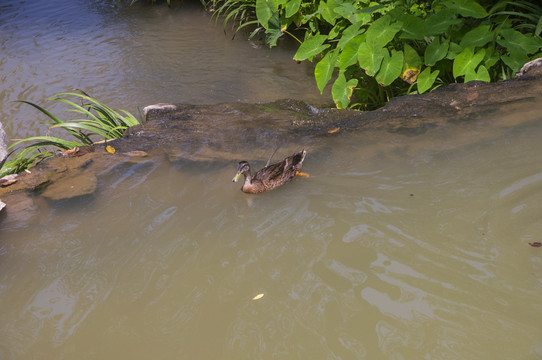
<point x="270" y="176"/>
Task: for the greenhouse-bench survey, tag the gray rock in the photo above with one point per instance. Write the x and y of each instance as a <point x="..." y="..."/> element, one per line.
<point x="3" y="146"/>
<point x="532" y="68"/>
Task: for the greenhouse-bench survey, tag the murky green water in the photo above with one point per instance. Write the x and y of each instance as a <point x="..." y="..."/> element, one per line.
<point x="396" y="247"/>
<point x="130" y="57"/>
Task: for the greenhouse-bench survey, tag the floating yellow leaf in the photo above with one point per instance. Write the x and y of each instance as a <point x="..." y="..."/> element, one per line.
<point x="302" y="174"/>
<point x="110" y="149"/>
<point x="333" y="131"/>
<point x="258" y="297"/>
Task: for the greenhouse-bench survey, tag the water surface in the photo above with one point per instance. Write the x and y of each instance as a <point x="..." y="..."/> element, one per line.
<point x="130" y="57"/>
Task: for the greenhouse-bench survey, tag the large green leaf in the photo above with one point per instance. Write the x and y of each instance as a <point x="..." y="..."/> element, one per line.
<point x="491" y="57"/>
<point x="327" y="10"/>
<point x="292" y="7"/>
<point x="264" y="10"/>
<point x="370" y="58"/>
<point x="411" y="58"/>
<point x="342" y="91"/>
<point x="435" y="51"/>
<point x="381" y="32"/>
<point x="481" y="75"/>
<point x="274" y="30"/>
<point x="479" y="36"/>
<point x="391" y="68"/>
<point x="324" y="69"/>
<point x="348" y="11"/>
<point x="440" y="22"/>
<point x="514" y="40"/>
<point x="426" y="79"/>
<point x="467" y="8"/>
<point x="349" y="33"/>
<point x="310" y="47"/>
<point x="453" y="51"/>
<point x="515" y="60"/>
<point x="413" y="27"/>
<point x="349" y="55"/>
<point x="467" y="61"/>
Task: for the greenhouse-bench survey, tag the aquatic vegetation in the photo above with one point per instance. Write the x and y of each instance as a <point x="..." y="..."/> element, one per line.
<point x="98" y="122"/>
<point x="372" y="51"/>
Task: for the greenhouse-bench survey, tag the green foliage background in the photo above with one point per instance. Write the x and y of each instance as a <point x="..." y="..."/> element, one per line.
<point x="371" y="51"/>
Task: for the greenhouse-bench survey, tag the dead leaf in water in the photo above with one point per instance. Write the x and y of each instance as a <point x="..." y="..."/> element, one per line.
<point x="535" y="244"/>
<point x="8" y="180"/>
<point x="138" y="153"/>
<point x="302" y="174"/>
<point x="77" y="151"/>
<point x="333" y="131"/>
<point x="258" y="297"/>
<point x="110" y="149"/>
<point x="71" y="151"/>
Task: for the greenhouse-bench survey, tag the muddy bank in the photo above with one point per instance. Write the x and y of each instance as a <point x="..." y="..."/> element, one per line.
<point x="223" y="134"/>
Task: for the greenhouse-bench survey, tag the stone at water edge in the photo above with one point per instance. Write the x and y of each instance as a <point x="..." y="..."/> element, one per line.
<point x="71" y="186"/>
<point x="3" y="146"/>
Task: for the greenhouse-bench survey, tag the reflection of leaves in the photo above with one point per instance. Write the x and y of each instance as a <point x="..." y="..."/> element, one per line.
<point x="535" y="244"/>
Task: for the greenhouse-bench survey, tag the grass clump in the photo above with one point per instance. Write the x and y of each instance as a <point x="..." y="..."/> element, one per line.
<point x="94" y="121"/>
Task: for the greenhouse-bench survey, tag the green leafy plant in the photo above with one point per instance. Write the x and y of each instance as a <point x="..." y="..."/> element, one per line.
<point x="97" y="121"/>
<point x="372" y="51"/>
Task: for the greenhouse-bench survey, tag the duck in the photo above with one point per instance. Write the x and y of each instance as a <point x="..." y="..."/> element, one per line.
<point x="271" y="176"/>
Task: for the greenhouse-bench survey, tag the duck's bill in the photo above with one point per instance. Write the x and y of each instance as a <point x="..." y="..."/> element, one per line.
<point x="236" y="177"/>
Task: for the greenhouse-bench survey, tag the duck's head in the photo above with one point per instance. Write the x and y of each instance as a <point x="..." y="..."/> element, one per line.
<point x="242" y="168"/>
